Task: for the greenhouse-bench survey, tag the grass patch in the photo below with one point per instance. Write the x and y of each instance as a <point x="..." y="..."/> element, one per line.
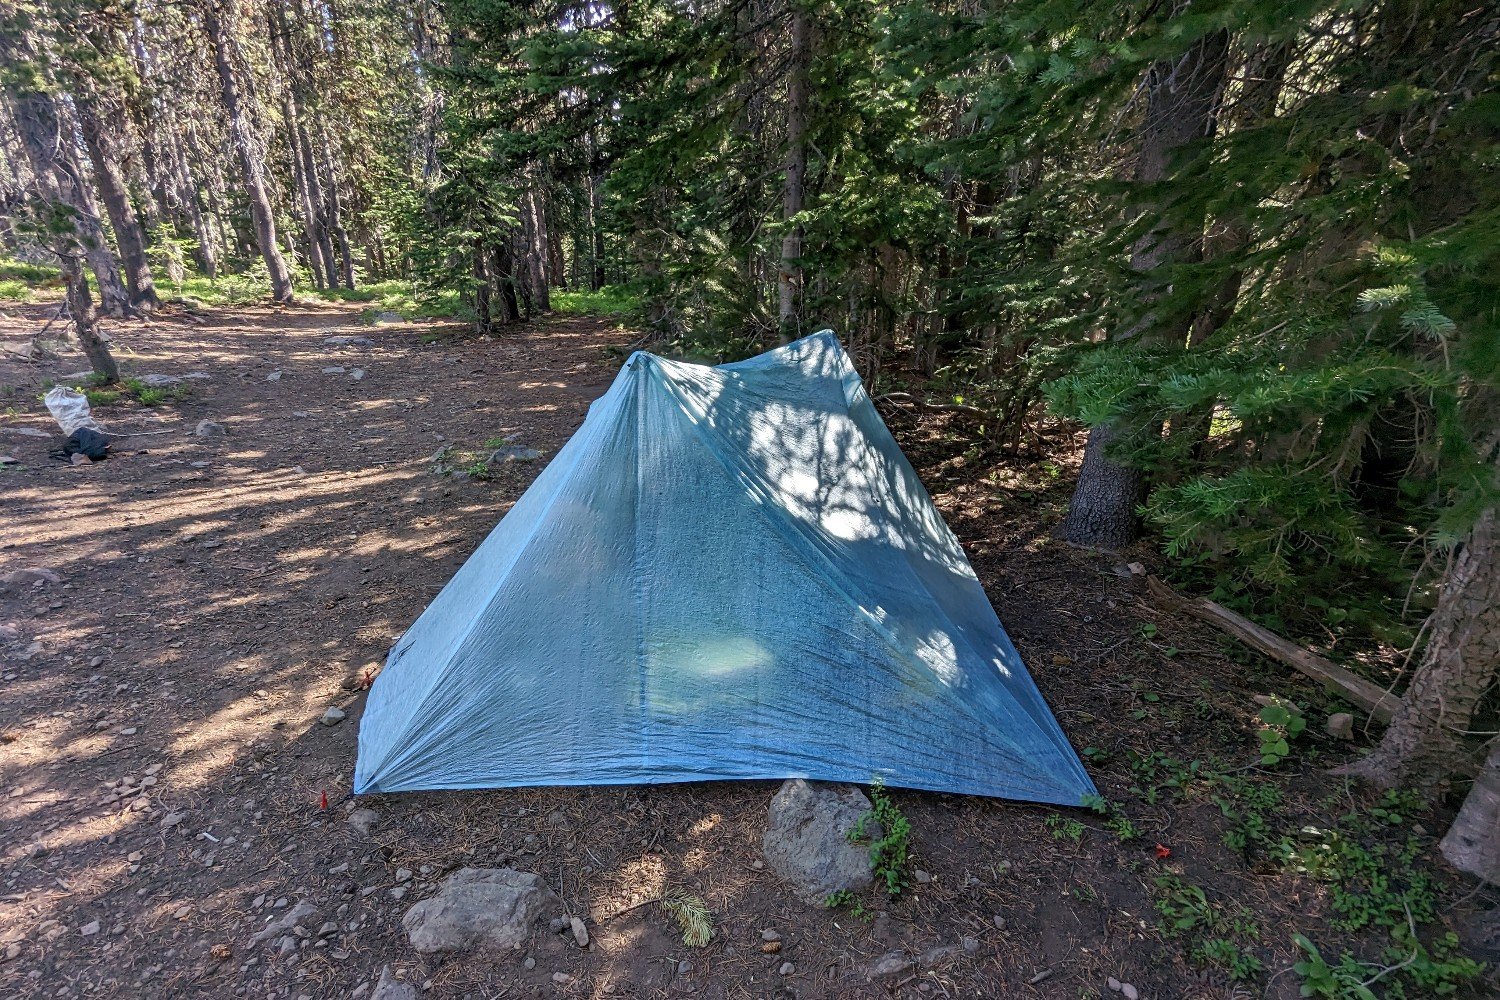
<point x="396" y="296"/>
<point x="20" y="281"/>
<point x="611" y="300"/>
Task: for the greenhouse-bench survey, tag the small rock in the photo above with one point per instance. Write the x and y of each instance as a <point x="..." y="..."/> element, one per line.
<point x="529" y="964"/>
<point x="34" y="575"/>
<point x="89" y="929"/>
<point x="328" y="929"/>
<point x="892" y="963"/>
<point x="970" y="944"/>
<point x="13" y="951"/>
<point x="333" y="716"/>
<point x="403" y="875"/>
<point x="770" y="935"/>
<point x="208" y="428"/>
<point x="389" y="319"/>
<point x="1129" y="992"/>
<point x="1136" y="569"/>
<point x="495" y="907"/>
<point x="389" y="988"/>
<point x="399" y="892"/>
<point x="274" y="377"/>
<point x="561" y="978"/>
<point x="363" y="820"/>
<point x="284" y="923"/>
<point x="684" y="968"/>
<point x="922" y="877"/>
<point x="999" y="922"/>
<point x="357" y="374"/>
<point x="172" y="819"/>
<point x="787" y="968"/>
<point x="580" y="932"/>
<point x="348" y="341"/>
<point x="1341" y="726"/>
<point x="939" y="955"/>
<point x="512" y="453"/>
<point x="334" y="370"/>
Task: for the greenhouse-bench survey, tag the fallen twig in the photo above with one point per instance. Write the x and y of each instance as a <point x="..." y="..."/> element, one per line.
<point x="1380" y="704"/>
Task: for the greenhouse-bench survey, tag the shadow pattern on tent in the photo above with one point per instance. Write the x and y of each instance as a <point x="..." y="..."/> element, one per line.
<point x="727" y="573"/>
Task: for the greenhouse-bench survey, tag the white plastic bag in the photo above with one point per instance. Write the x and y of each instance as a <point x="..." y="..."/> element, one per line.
<point x="70" y="408"/>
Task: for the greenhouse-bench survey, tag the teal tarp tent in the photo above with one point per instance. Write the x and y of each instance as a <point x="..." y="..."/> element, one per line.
<point x="727" y="572"/>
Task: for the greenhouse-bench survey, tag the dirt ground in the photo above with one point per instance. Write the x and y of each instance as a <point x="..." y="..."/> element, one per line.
<point x="167" y="788"/>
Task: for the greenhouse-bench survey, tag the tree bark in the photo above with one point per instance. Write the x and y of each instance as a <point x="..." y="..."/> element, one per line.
<point x="334" y="209"/>
<point x="115" y="193"/>
<point x="1426" y="742"/>
<point x="1181" y="106"/>
<point x="1472" y="843"/>
<point x="81" y="312"/>
<point x="252" y="167"/>
<point x="534" y="227"/>
<point x="789" y="275"/>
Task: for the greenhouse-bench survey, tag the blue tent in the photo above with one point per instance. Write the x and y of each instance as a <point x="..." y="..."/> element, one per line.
<point x="728" y="572"/>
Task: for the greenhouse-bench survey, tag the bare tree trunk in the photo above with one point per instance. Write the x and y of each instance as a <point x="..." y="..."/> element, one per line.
<point x="789" y="275"/>
<point x="335" y="212"/>
<point x="81" y="312"/>
<point x="116" y="196"/>
<point x="481" y="302"/>
<point x="537" y="256"/>
<point x="1181" y="106"/>
<point x="596" y="231"/>
<point x="1472" y="843"/>
<point x="1426" y="742"/>
<point x="252" y="168"/>
<point x="77" y="192"/>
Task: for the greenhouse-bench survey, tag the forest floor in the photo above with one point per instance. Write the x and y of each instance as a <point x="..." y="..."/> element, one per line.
<point x="163" y="769"/>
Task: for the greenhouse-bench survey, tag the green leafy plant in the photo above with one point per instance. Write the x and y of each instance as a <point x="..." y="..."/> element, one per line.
<point x="846" y="898"/>
<point x="1065" y="828"/>
<point x="1281" y="722"/>
<point x="888" y="851"/>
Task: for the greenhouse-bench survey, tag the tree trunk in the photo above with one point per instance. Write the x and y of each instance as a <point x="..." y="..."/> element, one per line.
<point x="1426" y="743"/>
<point x="596" y="227"/>
<point x="789" y="275"/>
<point x="78" y="193"/>
<point x="81" y="312"/>
<point x="534" y="228"/>
<point x="58" y="188"/>
<point x="1181" y="106"/>
<point x="116" y="196"/>
<point x="334" y="209"/>
<point x="481" y="301"/>
<point x="1472" y="843"/>
<point x="248" y="152"/>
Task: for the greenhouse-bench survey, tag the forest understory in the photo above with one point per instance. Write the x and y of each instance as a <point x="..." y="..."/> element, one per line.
<point x="167" y="788"/>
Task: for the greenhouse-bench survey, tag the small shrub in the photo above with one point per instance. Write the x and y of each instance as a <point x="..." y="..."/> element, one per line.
<point x="887" y="854"/>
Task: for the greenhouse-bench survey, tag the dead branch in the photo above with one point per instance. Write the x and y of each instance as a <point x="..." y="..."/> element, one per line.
<point x="1380" y="704"/>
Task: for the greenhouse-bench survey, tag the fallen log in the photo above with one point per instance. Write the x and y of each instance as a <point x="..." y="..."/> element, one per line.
<point x="1378" y="702"/>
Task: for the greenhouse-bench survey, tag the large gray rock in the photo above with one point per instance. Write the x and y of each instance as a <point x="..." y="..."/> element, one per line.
<point x="480" y="907"/>
<point x="807" y="841"/>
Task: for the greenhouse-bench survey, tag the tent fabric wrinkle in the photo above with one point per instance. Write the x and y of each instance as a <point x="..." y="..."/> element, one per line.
<point x="728" y="572"/>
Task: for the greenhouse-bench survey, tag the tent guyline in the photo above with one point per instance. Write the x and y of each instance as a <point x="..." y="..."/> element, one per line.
<point x="728" y="572"/>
